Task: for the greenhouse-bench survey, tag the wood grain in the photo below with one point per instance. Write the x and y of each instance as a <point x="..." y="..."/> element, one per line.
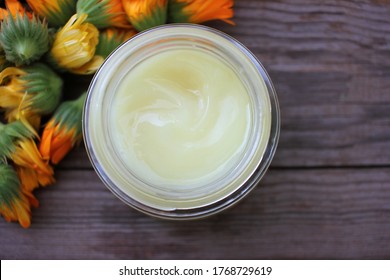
<point x="327" y="195"/>
<point x="330" y="63"/>
<point x="293" y="214"/>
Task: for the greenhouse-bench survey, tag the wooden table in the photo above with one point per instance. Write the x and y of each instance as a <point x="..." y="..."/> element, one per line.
<point x="327" y="193"/>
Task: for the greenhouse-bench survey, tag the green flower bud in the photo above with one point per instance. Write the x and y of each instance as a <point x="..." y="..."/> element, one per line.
<point x="24" y="40"/>
<point x="63" y="131"/>
<point x="45" y="87"/>
<point x="14" y="204"/>
<point x="144" y="14"/>
<point x="103" y="13"/>
<point x="29" y="92"/>
<point x="10" y="134"/>
<point x="111" y="38"/>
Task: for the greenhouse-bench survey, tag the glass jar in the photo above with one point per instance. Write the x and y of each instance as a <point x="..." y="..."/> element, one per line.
<point x="184" y="199"/>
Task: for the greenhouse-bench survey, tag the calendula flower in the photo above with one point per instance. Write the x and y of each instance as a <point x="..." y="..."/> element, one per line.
<point x="13" y="7"/>
<point x="33" y="170"/>
<point x="14" y="204"/>
<point x="17" y="144"/>
<point x="74" y="45"/>
<point x="91" y="67"/>
<point x="103" y="13"/>
<point x="29" y="92"/>
<point x="10" y="134"/>
<point x="24" y="40"/>
<point x="144" y="14"/>
<point x="111" y="38"/>
<point x="3" y="13"/>
<point x="30" y="179"/>
<point x="198" y="11"/>
<point x="63" y="130"/>
<point x="56" y="12"/>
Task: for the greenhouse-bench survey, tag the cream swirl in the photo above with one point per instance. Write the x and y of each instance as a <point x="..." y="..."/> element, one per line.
<point x="181" y="117"/>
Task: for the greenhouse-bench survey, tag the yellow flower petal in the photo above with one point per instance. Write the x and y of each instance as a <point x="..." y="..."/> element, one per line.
<point x="75" y="44"/>
<point x="27" y="155"/>
<point x="28" y="178"/>
<point x="19" y="211"/>
<point x="90" y="67"/>
<point x="15" y="203"/>
<point x="29" y="93"/>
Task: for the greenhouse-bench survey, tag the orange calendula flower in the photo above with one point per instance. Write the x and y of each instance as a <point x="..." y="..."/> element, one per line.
<point x="13" y="7"/>
<point x="111" y="38"/>
<point x="144" y="14"/>
<point x="17" y="144"/>
<point x="74" y="46"/>
<point x="34" y="171"/>
<point x="29" y="92"/>
<point x="10" y="134"/>
<point x="198" y="11"/>
<point x="103" y="13"/>
<point x="15" y="205"/>
<point x="63" y="130"/>
<point x="30" y="179"/>
<point x="56" y="12"/>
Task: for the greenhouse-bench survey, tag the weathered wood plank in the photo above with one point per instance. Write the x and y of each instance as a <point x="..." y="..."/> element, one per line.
<point x="330" y="63"/>
<point x="293" y="214"/>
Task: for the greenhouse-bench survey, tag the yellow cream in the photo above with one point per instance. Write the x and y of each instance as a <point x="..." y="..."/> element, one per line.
<point x="181" y="117"/>
<point x="181" y="121"/>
